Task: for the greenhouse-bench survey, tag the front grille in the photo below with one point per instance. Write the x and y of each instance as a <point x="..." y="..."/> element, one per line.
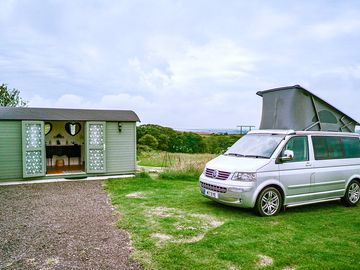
<point x="213" y="187"/>
<point x="221" y="175"/>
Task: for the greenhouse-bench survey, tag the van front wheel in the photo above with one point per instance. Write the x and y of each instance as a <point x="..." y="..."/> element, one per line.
<point x="352" y="194"/>
<point x="268" y="202"/>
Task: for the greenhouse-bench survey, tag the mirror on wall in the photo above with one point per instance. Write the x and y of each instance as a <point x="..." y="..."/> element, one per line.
<point x="47" y="127"/>
<point x="73" y="128"/>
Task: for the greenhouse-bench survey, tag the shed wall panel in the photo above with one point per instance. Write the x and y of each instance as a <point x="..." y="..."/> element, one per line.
<point x="120" y="147"/>
<point x="10" y="150"/>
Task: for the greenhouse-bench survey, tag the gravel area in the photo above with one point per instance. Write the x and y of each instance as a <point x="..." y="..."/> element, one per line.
<point x="68" y="225"/>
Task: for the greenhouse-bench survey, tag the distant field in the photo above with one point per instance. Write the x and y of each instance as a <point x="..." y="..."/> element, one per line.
<point x="173" y="227"/>
<point x="174" y="160"/>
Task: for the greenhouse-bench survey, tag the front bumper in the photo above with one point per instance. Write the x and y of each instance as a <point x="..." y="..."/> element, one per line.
<point x="228" y="192"/>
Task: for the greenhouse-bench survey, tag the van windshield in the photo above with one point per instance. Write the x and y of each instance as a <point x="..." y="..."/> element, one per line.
<point x="255" y="145"/>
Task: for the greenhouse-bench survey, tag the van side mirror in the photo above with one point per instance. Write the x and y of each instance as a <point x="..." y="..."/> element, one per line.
<point x="288" y="155"/>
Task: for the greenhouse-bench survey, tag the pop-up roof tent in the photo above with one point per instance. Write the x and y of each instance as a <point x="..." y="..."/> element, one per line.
<point x="294" y="107"/>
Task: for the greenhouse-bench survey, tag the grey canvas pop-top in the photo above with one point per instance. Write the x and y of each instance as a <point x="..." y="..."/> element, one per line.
<point x="294" y="107"/>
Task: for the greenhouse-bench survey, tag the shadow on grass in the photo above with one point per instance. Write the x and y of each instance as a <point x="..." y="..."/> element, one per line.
<point x="228" y="209"/>
<point x="316" y="207"/>
<point x="323" y="208"/>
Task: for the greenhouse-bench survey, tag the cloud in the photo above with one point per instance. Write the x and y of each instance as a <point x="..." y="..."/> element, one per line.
<point x="124" y="102"/>
<point x="219" y="60"/>
<point x="340" y="71"/>
<point x="333" y="29"/>
<point x="153" y="77"/>
<point x="7" y="7"/>
<point x="64" y="101"/>
<point x="120" y="102"/>
<point x="182" y="63"/>
<point x="216" y="60"/>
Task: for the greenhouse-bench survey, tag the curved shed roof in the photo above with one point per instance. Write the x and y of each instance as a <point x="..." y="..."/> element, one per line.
<point x="53" y="114"/>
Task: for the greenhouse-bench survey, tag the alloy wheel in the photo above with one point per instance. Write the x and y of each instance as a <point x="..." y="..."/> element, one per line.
<point x="354" y="192"/>
<point x="270" y="203"/>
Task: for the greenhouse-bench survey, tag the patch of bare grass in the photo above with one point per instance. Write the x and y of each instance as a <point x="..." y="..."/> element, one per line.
<point x="139" y="195"/>
<point x="212" y="221"/>
<point x="177" y="226"/>
<point x="289" y="268"/>
<point x="161" y="238"/>
<point x="264" y="261"/>
<point x="194" y="239"/>
<point x="163" y="211"/>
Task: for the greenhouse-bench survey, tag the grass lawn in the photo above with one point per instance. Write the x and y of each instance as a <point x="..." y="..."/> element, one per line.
<point x="173" y="227"/>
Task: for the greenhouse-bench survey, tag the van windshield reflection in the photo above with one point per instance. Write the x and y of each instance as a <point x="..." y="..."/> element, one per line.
<point x="255" y="146"/>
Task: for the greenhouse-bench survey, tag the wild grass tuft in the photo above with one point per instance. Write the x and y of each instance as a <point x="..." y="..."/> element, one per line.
<point x="186" y="175"/>
<point x="143" y="175"/>
<point x="174" y="160"/>
<point x="186" y="167"/>
<point x="177" y="166"/>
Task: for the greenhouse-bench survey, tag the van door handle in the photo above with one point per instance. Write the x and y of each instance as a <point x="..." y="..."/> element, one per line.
<point x="308" y="164"/>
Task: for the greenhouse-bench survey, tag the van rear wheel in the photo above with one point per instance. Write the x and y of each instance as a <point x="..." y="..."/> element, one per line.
<point x="269" y="202"/>
<point x="352" y="194"/>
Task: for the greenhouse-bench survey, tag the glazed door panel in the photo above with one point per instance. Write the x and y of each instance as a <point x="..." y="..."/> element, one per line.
<point x="33" y="148"/>
<point x="95" y="147"/>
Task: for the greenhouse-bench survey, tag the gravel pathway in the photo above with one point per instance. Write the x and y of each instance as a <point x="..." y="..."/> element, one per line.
<point x="68" y="225"/>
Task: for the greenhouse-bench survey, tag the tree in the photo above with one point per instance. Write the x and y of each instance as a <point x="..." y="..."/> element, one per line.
<point x="187" y="142"/>
<point x="149" y="140"/>
<point x="161" y="134"/>
<point x="11" y="98"/>
<point x="163" y="142"/>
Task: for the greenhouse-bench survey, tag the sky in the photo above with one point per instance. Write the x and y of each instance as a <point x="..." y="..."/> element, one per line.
<point x="182" y="64"/>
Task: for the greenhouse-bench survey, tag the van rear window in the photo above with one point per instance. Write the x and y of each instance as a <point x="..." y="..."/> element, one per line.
<point x="333" y="147"/>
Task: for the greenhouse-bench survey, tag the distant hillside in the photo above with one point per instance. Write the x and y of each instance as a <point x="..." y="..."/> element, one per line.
<point x="211" y="130"/>
<point x="155" y="137"/>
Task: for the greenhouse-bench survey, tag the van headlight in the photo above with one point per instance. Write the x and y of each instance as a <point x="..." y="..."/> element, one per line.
<point x="245" y="177"/>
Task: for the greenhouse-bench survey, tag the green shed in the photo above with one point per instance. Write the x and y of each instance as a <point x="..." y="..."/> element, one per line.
<point x="47" y="143"/>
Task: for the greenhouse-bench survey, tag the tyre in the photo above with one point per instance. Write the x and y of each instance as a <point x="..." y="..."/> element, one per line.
<point x="269" y="202"/>
<point x="352" y="194"/>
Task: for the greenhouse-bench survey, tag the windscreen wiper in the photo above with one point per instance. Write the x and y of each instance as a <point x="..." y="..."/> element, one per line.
<point x="234" y="154"/>
<point x="255" y="156"/>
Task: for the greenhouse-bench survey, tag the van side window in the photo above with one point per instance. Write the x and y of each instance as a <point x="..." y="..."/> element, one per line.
<point x="299" y="145"/>
<point x="335" y="147"/>
<point x="320" y="148"/>
<point x="351" y="147"/>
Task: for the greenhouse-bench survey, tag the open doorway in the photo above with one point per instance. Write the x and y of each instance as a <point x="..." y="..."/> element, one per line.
<point x="64" y="144"/>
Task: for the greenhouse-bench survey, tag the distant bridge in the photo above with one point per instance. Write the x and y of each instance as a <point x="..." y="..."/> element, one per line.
<point x="245" y="128"/>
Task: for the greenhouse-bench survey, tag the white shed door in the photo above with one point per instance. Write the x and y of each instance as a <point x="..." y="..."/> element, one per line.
<point x="33" y="148"/>
<point x="95" y="147"/>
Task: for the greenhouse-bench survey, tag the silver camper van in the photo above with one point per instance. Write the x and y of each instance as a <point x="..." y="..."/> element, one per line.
<point x="316" y="160"/>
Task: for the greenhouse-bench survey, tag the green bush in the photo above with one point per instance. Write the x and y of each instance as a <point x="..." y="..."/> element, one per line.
<point x="142" y="148"/>
<point x="149" y="140"/>
<point x="218" y="143"/>
<point x="187" y="142"/>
